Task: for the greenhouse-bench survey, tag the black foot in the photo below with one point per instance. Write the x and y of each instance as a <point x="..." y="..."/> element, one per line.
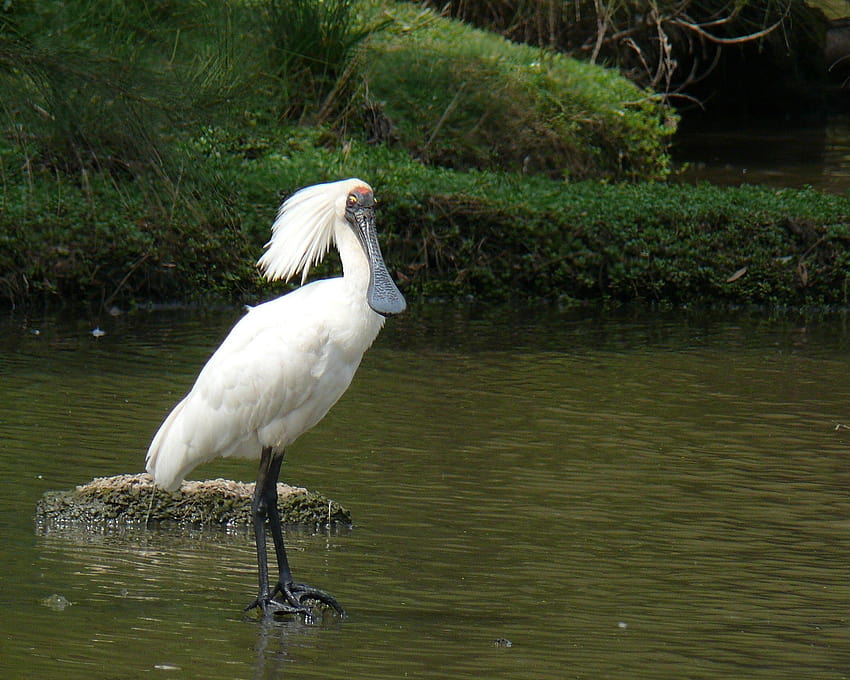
<point x="293" y="600"/>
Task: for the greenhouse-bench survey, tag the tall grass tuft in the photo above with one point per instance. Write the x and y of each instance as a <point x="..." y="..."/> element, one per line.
<point x="97" y="88"/>
<point x="312" y="46"/>
<point x="120" y="88"/>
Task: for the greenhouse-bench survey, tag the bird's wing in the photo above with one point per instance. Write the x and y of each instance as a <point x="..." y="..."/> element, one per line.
<point x="249" y="394"/>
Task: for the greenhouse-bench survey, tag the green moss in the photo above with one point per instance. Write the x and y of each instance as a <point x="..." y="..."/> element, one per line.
<point x="466" y="98"/>
<point x="132" y="499"/>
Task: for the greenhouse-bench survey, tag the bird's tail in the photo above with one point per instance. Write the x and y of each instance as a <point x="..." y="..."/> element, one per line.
<point x="167" y="460"/>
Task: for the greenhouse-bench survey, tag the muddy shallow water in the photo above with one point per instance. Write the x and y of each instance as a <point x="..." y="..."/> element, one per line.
<point x="538" y="494"/>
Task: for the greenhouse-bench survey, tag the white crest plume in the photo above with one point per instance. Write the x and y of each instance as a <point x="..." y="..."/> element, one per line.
<point x="303" y="229"/>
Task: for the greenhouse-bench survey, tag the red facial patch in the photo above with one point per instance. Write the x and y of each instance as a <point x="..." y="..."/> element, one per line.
<point x="363" y="191"/>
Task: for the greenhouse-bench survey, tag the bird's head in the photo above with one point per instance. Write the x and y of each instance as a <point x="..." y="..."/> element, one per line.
<point x="383" y="295"/>
<point x="305" y="226"/>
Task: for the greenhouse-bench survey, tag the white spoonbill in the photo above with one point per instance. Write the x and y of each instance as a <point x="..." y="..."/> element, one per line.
<point x="285" y="363"/>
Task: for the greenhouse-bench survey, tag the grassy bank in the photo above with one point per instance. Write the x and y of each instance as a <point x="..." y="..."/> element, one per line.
<point x="143" y="156"/>
<point x="447" y="233"/>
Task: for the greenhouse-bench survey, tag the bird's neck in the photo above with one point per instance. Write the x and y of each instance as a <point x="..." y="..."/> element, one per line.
<point x="355" y="264"/>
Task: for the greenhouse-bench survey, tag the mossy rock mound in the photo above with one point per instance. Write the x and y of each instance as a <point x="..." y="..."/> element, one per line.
<point x="467" y="99"/>
<point x="134" y="499"/>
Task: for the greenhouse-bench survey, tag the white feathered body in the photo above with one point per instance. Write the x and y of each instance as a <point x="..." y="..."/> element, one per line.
<point x="284" y="364"/>
<point x="276" y="375"/>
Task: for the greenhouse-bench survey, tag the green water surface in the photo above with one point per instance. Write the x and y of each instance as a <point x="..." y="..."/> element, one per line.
<point x="631" y="494"/>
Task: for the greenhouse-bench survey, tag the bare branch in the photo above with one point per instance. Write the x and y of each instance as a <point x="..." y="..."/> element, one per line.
<point x="698" y="28"/>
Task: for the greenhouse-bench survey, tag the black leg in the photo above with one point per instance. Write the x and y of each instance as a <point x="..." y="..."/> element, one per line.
<point x="273" y="516"/>
<point x="264" y="508"/>
<point x="259" y="513"/>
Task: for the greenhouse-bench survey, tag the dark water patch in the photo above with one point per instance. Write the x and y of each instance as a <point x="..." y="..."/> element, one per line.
<point x="781" y="154"/>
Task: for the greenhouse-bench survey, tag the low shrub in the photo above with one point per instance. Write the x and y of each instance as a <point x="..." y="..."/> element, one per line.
<point x="493" y="236"/>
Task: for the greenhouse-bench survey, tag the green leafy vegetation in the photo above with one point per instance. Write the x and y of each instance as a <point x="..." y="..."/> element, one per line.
<point x="502" y="238"/>
<point x="144" y="149"/>
<point x="446" y="233"/>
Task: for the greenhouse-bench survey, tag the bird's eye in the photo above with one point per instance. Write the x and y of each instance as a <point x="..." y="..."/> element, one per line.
<point x="352" y="200"/>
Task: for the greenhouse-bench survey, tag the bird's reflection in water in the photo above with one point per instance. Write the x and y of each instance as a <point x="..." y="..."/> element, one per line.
<point x="279" y="638"/>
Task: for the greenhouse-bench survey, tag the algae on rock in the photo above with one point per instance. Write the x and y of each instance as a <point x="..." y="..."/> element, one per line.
<point x="134" y="499"/>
